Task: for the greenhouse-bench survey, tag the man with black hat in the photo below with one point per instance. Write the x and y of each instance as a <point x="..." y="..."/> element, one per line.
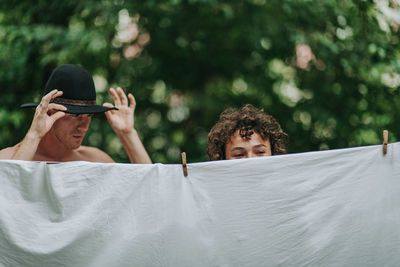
<point x="63" y="116"/>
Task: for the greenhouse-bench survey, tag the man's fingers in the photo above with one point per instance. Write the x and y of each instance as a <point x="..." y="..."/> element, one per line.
<point x="56" y="107"/>
<point x="132" y="100"/>
<point x="115" y="96"/>
<point x="109" y="114"/>
<point x="44" y="103"/>
<point x="56" y="94"/>
<point x="122" y="96"/>
<point x="53" y="94"/>
<point x="108" y="105"/>
<point x="49" y="95"/>
<point x="57" y="115"/>
<point x="46" y="100"/>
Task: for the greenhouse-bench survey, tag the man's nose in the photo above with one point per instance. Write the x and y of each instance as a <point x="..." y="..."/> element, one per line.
<point x="83" y="122"/>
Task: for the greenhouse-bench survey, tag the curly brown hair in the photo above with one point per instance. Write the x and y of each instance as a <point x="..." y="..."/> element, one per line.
<point x="247" y="120"/>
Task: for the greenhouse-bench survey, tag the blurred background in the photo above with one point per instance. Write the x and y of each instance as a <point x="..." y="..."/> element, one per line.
<point x="329" y="70"/>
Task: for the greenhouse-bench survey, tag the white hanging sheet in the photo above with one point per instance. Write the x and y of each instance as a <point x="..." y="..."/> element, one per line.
<point x="329" y="208"/>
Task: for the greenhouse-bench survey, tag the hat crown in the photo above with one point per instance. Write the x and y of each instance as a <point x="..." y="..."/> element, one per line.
<point x="75" y="82"/>
<point x="79" y="94"/>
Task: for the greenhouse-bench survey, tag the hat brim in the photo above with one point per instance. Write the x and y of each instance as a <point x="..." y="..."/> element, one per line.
<point x="74" y="109"/>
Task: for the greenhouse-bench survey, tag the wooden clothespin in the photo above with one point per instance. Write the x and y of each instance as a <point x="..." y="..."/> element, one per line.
<point x="385" y="141"/>
<point x="184" y="166"/>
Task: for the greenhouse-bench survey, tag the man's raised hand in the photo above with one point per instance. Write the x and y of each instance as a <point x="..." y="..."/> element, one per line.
<point x="46" y="114"/>
<point x="121" y="120"/>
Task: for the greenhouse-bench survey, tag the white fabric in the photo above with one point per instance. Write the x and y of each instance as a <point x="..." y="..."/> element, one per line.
<point x="331" y="208"/>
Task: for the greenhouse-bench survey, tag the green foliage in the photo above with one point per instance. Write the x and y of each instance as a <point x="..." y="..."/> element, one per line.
<point x="329" y="71"/>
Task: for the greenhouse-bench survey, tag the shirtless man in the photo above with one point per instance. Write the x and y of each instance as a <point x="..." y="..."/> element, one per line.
<point x="63" y="116"/>
<point x="245" y="133"/>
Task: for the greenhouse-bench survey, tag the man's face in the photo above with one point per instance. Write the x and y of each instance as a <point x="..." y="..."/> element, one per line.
<point x="237" y="147"/>
<point x="71" y="129"/>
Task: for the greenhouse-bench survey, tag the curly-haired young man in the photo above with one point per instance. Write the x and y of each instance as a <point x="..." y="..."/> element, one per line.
<point x="244" y="133"/>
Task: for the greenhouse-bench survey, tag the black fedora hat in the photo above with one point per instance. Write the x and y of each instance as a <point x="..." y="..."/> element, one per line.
<point x="79" y="94"/>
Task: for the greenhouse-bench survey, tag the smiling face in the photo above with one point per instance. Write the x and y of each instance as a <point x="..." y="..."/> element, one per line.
<point x="238" y="147"/>
<point x="71" y="129"/>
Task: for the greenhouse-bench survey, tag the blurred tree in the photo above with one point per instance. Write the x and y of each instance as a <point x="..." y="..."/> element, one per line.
<point x="329" y="71"/>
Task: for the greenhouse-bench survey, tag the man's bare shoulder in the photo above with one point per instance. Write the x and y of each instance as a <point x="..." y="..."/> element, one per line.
<point x="94" y="154"/>
<point x="8" y="152"/>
